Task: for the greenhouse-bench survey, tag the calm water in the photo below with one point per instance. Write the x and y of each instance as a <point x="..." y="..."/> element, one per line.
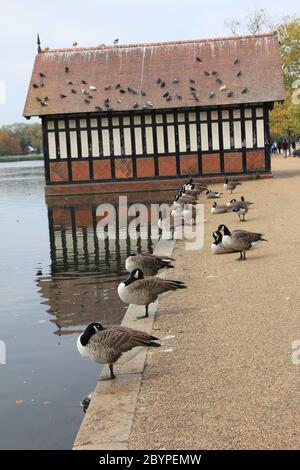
<point x="56" y="276"/>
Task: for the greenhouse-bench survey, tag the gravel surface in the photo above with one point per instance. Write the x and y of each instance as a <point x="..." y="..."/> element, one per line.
<point x="224" y="378"/>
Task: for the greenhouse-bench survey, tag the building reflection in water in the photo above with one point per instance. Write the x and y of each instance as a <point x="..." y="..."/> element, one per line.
<point x="86" y="270"/>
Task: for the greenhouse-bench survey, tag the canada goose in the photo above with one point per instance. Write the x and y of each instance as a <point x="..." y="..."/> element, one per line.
<point x="240" y="240"/>
<point x="105" y="345"/>
<point x="240" y="207"/>
<point x="180" y="201"/>
<point x="242" y="199"/>
<point x="140" y="290"/>
<point x="230" y="185"/>
<point x="199" y="186"/>
<point x="241" y="211"/>
<point x="185" y="198"/>
<point x="212" y="194"/>
<point x="217" y="246"/>
<point x="219" y="209"/>
<point x="190" y="190"/>
<point x="148" y="263"/>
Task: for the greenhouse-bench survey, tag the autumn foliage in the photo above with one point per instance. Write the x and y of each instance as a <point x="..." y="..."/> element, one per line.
<point x="20" y="139"/>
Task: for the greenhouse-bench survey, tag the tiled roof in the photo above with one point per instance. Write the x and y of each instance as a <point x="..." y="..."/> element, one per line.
<point x="181" y="74"/>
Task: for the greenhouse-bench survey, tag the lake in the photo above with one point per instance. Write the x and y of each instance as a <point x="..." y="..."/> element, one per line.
<point x="56" y="277"/>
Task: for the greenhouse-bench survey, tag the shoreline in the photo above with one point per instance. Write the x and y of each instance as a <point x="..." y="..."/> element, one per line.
<point x="21" y="158"/>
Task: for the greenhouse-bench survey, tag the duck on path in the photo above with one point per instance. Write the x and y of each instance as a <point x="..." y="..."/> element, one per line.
<point x="140" y="290"/>
<point x="230" y="185"/>
<point x="240" y="240"/>
<point x="107" y="344"/>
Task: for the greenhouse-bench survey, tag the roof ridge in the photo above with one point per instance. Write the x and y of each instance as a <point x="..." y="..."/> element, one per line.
<point x="157" y="44"/>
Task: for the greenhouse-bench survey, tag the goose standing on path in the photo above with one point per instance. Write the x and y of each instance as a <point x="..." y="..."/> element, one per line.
<point x="240" y="240"/>
<point x="140" y="290"/>
<point x="106" y="345"/>
<point x="230" y="185"/>
<point x="239" y="207"/>
<point x="242" y="199"/>
<point x="150" y="264"/>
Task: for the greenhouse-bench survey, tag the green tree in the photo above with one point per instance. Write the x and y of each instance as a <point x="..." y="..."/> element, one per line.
<point x="284" y="118"/>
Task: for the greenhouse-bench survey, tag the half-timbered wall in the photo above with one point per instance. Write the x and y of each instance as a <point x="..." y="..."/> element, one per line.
<point x="155" y="144"/>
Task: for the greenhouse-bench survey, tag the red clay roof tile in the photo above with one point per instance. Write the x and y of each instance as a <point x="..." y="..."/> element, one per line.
<point x="138" y="76"/>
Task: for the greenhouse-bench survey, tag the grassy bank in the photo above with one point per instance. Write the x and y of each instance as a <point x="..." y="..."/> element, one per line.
<point x="21" y="158"/>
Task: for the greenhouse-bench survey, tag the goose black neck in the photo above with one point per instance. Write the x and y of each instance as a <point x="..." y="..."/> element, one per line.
<point x="86" y="336"/>
<point x="226" y="230"/>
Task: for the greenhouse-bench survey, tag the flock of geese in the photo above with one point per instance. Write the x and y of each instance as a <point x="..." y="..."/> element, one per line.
<point x="114" y="343"/>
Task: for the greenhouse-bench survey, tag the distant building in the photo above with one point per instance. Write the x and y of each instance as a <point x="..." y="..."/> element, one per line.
<point x="140" y="117"/>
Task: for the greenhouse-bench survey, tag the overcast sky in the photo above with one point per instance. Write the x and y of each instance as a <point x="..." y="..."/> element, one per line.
<point x="91" y="22"/>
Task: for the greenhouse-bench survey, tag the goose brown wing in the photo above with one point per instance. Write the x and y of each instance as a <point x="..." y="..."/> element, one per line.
<point x="150" y="255"/>
<point x="118" y="340"/>
<point x="155" y="262"/>
<point x="249" y="237"/>
<point x="157" y="285"/>
<point x="142" y="336"/>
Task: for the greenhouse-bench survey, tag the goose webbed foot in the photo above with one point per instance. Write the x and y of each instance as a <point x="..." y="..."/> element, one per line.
<point x="240" y="258"/>
<point x="143" y="316"/>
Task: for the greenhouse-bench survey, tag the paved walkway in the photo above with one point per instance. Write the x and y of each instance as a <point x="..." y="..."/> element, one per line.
<point x="226" y="381"/>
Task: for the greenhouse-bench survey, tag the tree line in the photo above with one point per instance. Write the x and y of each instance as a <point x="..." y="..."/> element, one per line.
<point x="285" y="117"/>
<point x="20" y="139"/>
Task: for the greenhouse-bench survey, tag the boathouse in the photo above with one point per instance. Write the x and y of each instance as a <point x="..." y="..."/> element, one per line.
<point x="144" y="116"/>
